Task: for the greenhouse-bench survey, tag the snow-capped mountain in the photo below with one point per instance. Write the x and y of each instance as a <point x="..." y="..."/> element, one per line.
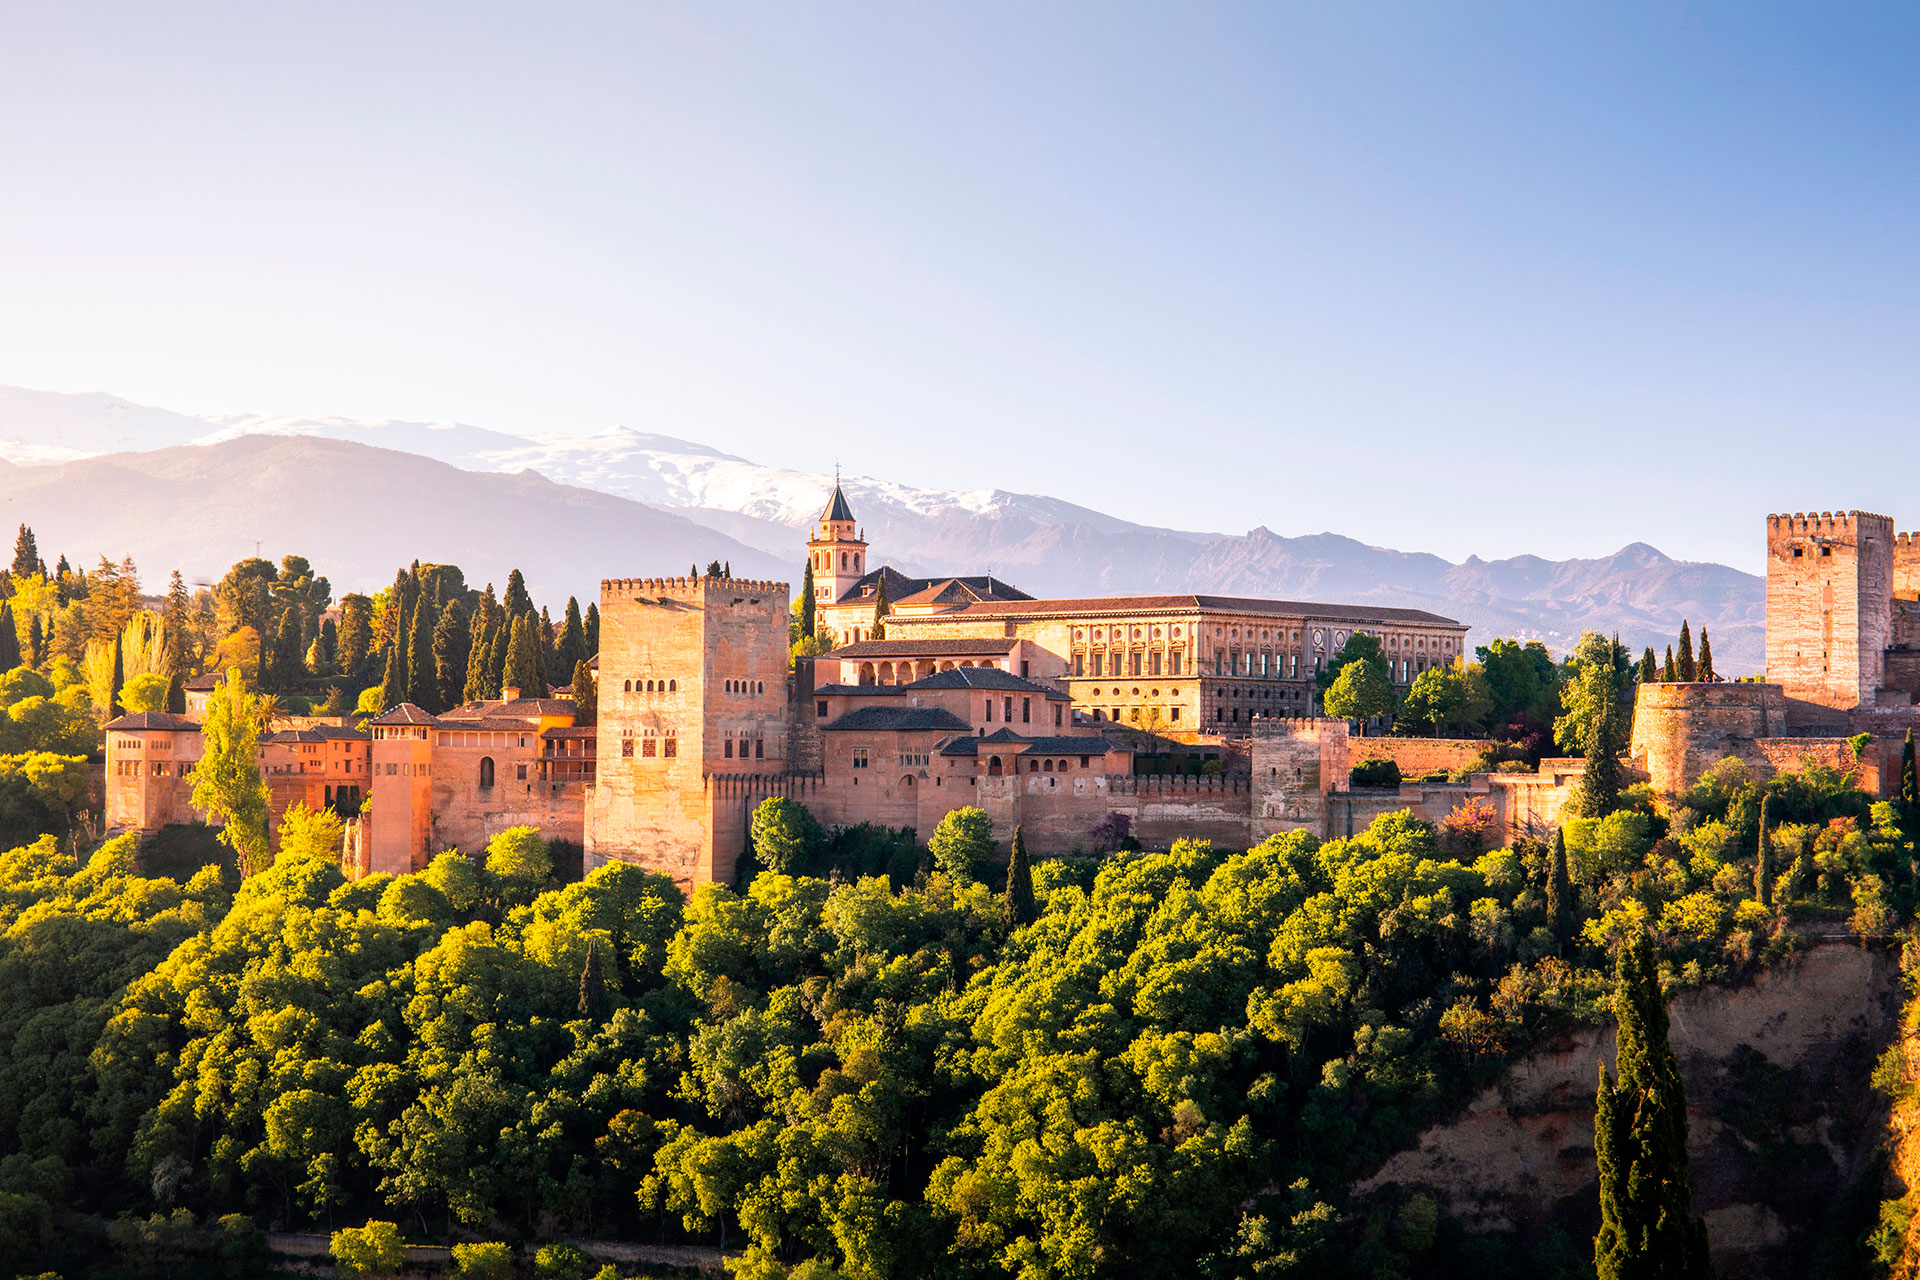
<point x="1046" y="546"/>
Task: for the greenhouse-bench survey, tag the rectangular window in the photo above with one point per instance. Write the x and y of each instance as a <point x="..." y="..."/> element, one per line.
<point x="1026" y="711"/>
<point x="859" y="757"/>
<point x="1174" y="714"/>
<point x="759" y="748"/>
<point x="1079" y="664"/>
<point x="1219" y="662"/>
<point x="1176" y="662"/>
<point x="1083" y="761"/>
<point x="672" y="747"/>
<point x="820" y="708"/>
<point x="1023" y="670"/>
<point x="646" y="746"/>
<point x="1153" y="664"/>
<point x="1133" y="663"/>
<point x="1056" y="715"/>
<point x="1097" y="663"/>
<point x="728" y="752"/>
<point x="1008" y="708"/>
<point x="520" y="770"/>
<point x="989" y="710"/>
<point x="626" y="748"/>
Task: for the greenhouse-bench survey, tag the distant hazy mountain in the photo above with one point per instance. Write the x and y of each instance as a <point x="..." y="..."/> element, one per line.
<point x="1043" y="544"/>
<point x="358" y="513"/>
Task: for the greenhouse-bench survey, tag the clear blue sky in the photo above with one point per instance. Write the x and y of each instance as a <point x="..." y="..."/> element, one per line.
<point x="1462" y="278"/>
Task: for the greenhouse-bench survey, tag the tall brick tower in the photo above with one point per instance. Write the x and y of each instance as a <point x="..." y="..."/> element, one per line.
<point x="693" y="691"/>
<point x="838" y="552"/>
<point x="1829" y="608"/>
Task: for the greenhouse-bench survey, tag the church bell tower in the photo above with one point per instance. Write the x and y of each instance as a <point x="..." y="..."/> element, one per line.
<point x="837" y="551"/>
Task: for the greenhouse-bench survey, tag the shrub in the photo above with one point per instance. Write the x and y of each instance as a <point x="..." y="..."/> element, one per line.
<point x="490" y="1261"/>
<point x="373" y="1250"/>
<point x="1375" y="772"/>
<point x="561" y="1261"/>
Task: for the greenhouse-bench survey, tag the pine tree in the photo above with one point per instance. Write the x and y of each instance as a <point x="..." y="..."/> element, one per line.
<point x="1017" y="905"/>
<point x="393" y="689"/>
<point x="423" y="680"/>
<point x="1909" y="776"/>
<point x="880" y="611"/>
<point x="586" y="694"/>
<point x="1763" y="857"/>
<point x="713" y="568"/>
<point x="10" y="656"/>
<point x="593" y="632"/>
<point x="1705" y="672"/>
<point x="523" y="661"/>
<point x="1687" y="670"/>
<point x="26" y="556"/>
<point x="176" y="695"/>
<point x="1670" y="673"/>
<point x="1647" y="1227"/>
<point x="807" y="617"/>
<point x="1649" y="667"/>
<point x="450" y="650"/>
<point x="177" y="616"/>
<point x="593" y="986"/>
<point x="1559" y="892"/>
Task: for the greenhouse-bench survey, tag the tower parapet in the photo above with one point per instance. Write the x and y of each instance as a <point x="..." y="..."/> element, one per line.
<point x="1830" y="583"/>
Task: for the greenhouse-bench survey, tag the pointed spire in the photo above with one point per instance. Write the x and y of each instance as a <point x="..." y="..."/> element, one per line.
<point x="837" y="508"/>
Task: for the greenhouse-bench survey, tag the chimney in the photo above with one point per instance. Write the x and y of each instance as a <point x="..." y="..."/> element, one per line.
<point x="509" y="693"/>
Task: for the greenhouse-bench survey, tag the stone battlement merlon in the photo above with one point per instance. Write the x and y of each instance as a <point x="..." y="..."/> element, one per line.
<point x="751" y="586"/>
<point x="1825" y="523"/>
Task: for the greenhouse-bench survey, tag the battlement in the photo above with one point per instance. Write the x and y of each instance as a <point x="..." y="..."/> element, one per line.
<point x="689" y="586"/>
<point x="1827" y="524"/>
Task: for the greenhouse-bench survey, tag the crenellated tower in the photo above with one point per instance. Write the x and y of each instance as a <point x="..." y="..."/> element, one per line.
<point x="1830" y="584"/>
<point x="837" y="550"/>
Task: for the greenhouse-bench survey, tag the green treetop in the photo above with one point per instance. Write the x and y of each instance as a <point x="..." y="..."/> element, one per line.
<point x="880" y="610"/>
<point x="1671" y="672"/>
<point x="962" y="843"/>
<point x="423" y="685"/>
<point x="1649" y="667"/>
<point x="1704" y="672"/>
<point x="1017" y="904"/>
<point x="806" y="601"/>
<point x="523" y="660"/>
<point x="586" y="694"/>
<point x="1360" y="692"/>
<point x="227" y="785"/>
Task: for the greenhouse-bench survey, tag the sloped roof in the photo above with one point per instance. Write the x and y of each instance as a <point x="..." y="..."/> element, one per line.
<point x="982" y="678"/>
<point x="154" y="720"/>
<point x="968" y="746"/>
<point x="901" y="587"/>
<point x="898" y="718"/>
<point x="967" y="645"/>
<point x="1089" y="606"/>
<point x="405" y="713"/>
<point x="883" y="690"/>
<point x="837" y="508"/>
<point x="205" y="683"/>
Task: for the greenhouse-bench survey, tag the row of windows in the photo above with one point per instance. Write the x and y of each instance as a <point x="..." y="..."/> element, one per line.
<point x="477" y="738"/>
<point x="1172" y="714"/>
<point x="157" y="769"/>
<point x="1026" y="711"/>
<point x="668" y="747"/>
<point x="636" y="686"/>
<point x="744" y="686"/>
<point x="823" y="561"/>
<point x="1098" y="665"/>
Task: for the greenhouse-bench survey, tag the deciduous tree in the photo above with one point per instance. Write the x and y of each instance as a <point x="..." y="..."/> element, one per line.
<point x="1360" y="692"/>
<point x="962" y="844"/>
<point x="227" y="786"/>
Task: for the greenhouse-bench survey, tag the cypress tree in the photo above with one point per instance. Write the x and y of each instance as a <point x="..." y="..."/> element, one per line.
<point x="176" y="695"/>
<point x="1602" y="780"/>
<point x="593" y="986"/>
<point x="1687" y="669"/>
<point x="523" y="661"/>
<point x="586" y="694"/>
<point x="593" y="632"/>
<point x="450" y="651"/>
<point x="497" y="656"/>
<point x="1705" y="672"/>
<point x="693" y="571"/>
<point x="119" y="674"/>
<point x="393" y="689"/>
<point x="549" y="646"/>
<point x="10" y="656"/>
<point x="1909" y="794"/>
<point x="423" y="681"/>
<point x="807" y="617"/>
<point x="572" y="645"/>
<point x="516" y="601"/>
<point x="479" y="650"/>
<point x="880" y="611"/>
<point x="1671" y="673"/>
<point x="1647" y="1227"/>
<point x="1559" y="892"/>
<point x="286" y="666"/>
<point x="1763" y="859"/>
<point x="1649" y="667"/>
<point x="1017" y="905"/>
<point x="726" y="570"/>
<point x="39" y="639"/>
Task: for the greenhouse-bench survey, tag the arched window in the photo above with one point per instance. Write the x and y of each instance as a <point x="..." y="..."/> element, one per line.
<point x="993" y="767"/>
<point x="906" y="780"/>
<point x="673" y="686"/>
<point x="486" y="772"/>
<point x="626" y="686"/>
<point x="843" y="559"/>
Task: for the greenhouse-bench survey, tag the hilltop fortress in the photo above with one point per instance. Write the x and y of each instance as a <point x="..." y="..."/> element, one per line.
<point x="965" y="691"/>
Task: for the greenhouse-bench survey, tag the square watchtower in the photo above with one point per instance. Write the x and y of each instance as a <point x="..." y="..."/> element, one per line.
<point x="1829" y="606"/>
<point x="692" y="688"/>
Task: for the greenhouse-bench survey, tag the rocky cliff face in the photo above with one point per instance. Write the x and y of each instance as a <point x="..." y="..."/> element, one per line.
<point x="1784" y="1122"/>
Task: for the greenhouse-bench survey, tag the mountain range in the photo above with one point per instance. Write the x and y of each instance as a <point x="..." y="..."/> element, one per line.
<point x="97" y="475"/>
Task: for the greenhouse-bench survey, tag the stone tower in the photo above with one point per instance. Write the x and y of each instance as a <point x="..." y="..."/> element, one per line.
<point x="1829" y="608"/>
<point x="693" y="691"/>
<point x="838" y="552"/>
